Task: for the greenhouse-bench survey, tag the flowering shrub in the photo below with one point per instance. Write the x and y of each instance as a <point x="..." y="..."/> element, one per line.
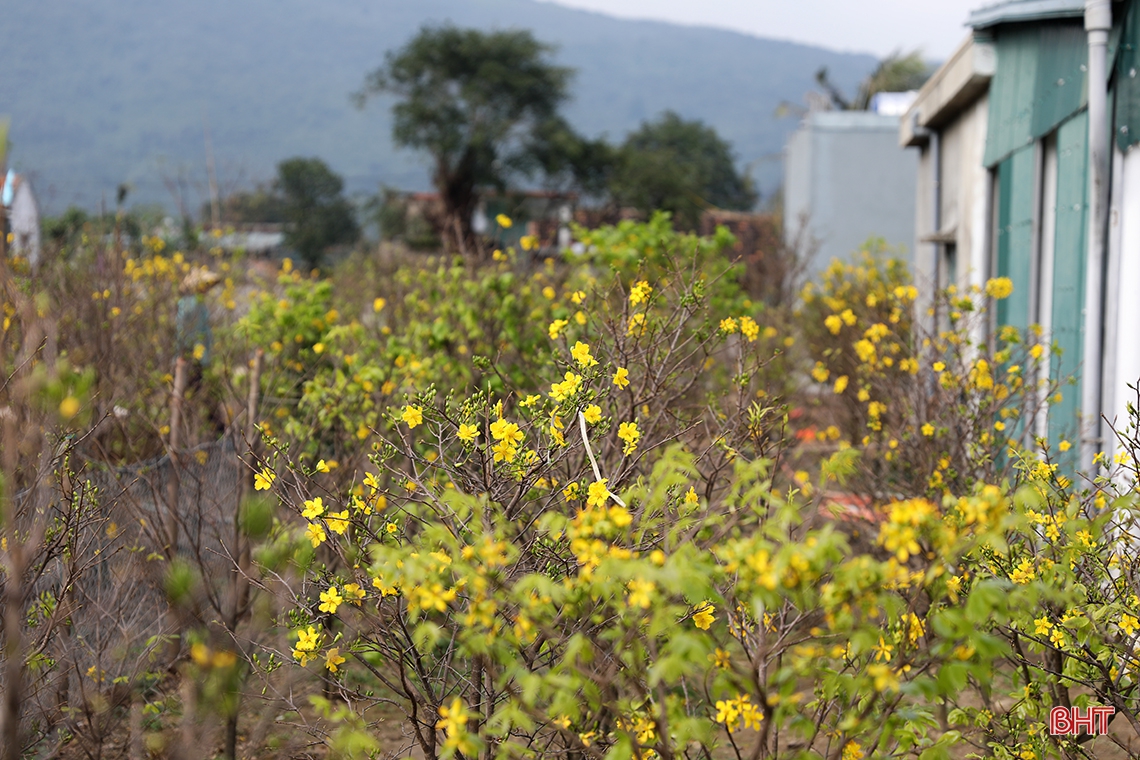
<point x="587" y="541"/>
<point x="932" y="412"/>
<point x="608" y="561"/>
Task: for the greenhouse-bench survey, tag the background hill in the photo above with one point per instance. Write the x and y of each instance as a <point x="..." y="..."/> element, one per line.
<point x="102" y="92"/>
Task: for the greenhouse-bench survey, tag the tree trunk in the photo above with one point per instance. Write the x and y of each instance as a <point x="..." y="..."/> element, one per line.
<point x="457" y="191"/>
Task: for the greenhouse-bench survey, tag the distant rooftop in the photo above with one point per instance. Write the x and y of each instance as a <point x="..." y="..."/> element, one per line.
<point x="852" y="120"/>
<point x="1017" y="11"/>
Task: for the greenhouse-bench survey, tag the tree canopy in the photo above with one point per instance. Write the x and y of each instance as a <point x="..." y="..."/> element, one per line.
<point x="897" y="72"/>
<point x="317" y="214"/>
<point x="679" y="166"/>
<point x="484" y="106"/>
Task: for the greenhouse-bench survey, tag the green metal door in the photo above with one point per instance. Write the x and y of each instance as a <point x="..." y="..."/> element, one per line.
<point x="1015" y="235"/>
<point x="1069" y="274"/>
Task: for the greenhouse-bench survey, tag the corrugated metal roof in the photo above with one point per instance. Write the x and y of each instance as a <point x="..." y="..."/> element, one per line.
<point x="1017" y="11"/>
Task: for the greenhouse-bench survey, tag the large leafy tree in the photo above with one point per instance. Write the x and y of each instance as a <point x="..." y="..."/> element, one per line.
<point x="484" y="106"/>
<point x="679" y="166"/>
<point x="317" y="214"/>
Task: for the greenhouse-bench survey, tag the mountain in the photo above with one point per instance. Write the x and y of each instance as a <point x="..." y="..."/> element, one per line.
<point x="102" y="92"/>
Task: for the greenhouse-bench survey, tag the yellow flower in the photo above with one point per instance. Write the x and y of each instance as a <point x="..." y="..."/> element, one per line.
<point x="704" y="617"/>
<point x="385" y="589"/>
<point x="749" y="329"/>
<point x="597" y="493"/>
<point x="928" y="430"/>
<point x="556" y="327"/>
<point x="581" y="354"/>
<point x="1129" y="624"/>
<point x="314" y="508"/>
<point x="378" y="304"/>
<point x="865" y="349"/>
<point x="848" y="317"/>
<point x="371" y="481"/>
<point x="852" y="750"/>
<point x="629" y="433"/>
<point x="307" y="639"/>
<point x="263" y="480"/>
<point x="691" y="496"/>
<point x="728" y="325"/>
<point x="619" y="516"/>
<point x="1064" y="446"/>
<point x="999" y="288"/>
<point x="504" y="452"/>
<point x="567" y="388"/>
<point x="338" y="522"/>
<point x="636" y="325"/>
<point x="199" y="351"/>
<point x="833" y="323"/>
<point x="316" y="534"/>
<point x="621" y="377"/>
<point x="639" y="593"/>
<point x="820" y="373"/>
<point x="318" y="348"/>
<point x="840" y="384"/>
<point x="727" y="713"/>
<point x="593" y="414"/>
<point x="468" y="433"/>
<point x="333" y="659"/>
<point x="413" y="415"/>
<point x="330" y="600"/>
<point x="639" y="293"/>
<point x="501" y="430"/>
<point x="431" y="597"/>
<point x="1024" y="572"/>
<point x="571" y="492"/>
<point x="503" y="221"/>
<point x="453" y="718"/>
<point x="720" y="659"/>
<point x="353" y="593"/>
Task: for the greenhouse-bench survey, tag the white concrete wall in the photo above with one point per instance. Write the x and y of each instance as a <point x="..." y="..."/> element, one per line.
<point x="847" y="173"/>
<point x="24" y="223"/>
<point x="1126" y="212"/>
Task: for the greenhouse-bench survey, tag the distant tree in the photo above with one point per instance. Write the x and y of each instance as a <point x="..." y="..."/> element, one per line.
<point x="895" y="73"/>
<point x="317" y="214"/>
<point x="679" y="166"/>
<point x="65" y="228"/>
<point x="484" y="106"/>
<point x="262" y="205"/>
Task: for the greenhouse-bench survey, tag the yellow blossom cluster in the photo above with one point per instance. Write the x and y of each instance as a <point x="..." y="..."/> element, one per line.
<point x="732" y="713"/>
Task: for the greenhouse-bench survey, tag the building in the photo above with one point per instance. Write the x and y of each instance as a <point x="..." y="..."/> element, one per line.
<point x="22" y="212"/>
<point x="845" y="181"/>
<point x="1028" y="170"/>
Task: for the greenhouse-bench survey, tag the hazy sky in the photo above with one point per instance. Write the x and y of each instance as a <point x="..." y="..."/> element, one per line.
<point x="865" y="26"/>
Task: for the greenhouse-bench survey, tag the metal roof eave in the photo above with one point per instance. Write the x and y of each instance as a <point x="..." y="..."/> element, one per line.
<point x="1019" y="11"/>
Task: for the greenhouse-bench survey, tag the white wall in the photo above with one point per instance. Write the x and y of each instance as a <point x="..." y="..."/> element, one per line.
<point x="1125" y="211"/>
